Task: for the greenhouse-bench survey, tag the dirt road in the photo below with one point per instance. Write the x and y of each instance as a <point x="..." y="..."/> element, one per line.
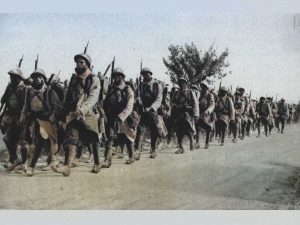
<point x="257" y="173"/>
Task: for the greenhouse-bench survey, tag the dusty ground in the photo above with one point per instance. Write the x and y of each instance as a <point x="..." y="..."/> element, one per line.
<point x="257" y="173"/>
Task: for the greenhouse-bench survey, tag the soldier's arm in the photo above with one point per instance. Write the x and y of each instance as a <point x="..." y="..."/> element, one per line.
<point x="157" y="103"/>
<point x="93" y="97"/>
<point x="231" y="109"/>
<point x="56" y="105"/>
<point x="211" y="104"/>
<point x="129" y="107"/>
<point x="195" y="105"/>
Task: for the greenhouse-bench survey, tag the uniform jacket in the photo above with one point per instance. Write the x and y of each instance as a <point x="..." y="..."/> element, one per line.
<point x="225" y="109"/>
<point x="83" y="95"/>
<point x="207" y="104"/>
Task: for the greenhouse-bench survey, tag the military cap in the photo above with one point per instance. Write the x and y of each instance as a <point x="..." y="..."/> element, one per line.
<point x="17" y="71"/>
<point x="84" y="56"/>
<point x="146" y="70"/>
<point x="40" y="72"/>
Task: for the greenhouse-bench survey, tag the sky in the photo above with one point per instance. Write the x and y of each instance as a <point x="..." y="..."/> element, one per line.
<point x="264" y="48"/>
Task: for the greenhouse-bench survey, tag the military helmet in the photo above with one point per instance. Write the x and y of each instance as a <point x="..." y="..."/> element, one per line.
<point x="40" y="72"/>
<point x="241" y="89"/>
<point x="269" y="98"/>
<point x="282" y="99"/>
<point x="118" y="70"/>
<point x="237" y="93"/>
<point x="194" y="86"/>
<point x="84" y="56"/>
<point x="17" y="71"/>
<point x="176" y="86"/>
<point x="262" y="98"/>
<point x="146" y="70"/>
<point x="205" y="83"/>
<point x="182" y="79"/>
<point x="223" y="89"/>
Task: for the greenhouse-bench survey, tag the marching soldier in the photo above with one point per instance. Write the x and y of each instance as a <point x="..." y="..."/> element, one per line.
<point x="239" y="107"/>
<point x="225" y="113"/>
<point x="122" y="123"/>
<point x="282" y="114"/>
<point x="263" y="111"/>
<point x="12" y="101"/>
<point x="80" y="114"/>
<point x="206" y="118"/>
<point x="274" y="109"/>
<point x="151" y="95"/>
<point x="185" y="111"/>
<point x="43" y="105"/>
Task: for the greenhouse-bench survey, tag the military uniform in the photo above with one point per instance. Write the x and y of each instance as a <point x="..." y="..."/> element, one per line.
<point x="263" y="111"/>
<point x="151" y="95"/>
<point x="81" y="116"/>
<point x="207" y="114"/>
<point x="225" y="113"/>
<point x="239" y="107"/>
<point x="282" y="114"/>
<point x="13" y="99"/>
<point x="122" y="121"/>
<point x="44" y="106"/>
<point x="185" y="110"/>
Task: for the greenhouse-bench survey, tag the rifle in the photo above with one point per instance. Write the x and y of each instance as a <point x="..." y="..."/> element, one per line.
<point x="85" y="48"/>
<point x="112" y="70"/>
<point x="141" y="67"/>
<point x="36" y="62"/>
<point x="20" y="62"/>
<point x="276" y="97"/>
<point x="109" y="65"/>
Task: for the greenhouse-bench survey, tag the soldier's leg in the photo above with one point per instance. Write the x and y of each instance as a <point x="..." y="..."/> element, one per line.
<point x="71" y="141"/>
<point x="154" y="137"/>
<point x="129" y="146"/>
<point x="235" y="128"/>
<point x="180" y="135"/>
<point x="223" y="131"/>
<point x="36" y="154"/>
<point x="197" y="136"/>
<point x="258" y="126"/>
<point x="96" y="149"/>
<point x="248" y="125"/>
<point x="11" y="144"/>
<point x="282" y="124"/>
<point x="108" y="145"/>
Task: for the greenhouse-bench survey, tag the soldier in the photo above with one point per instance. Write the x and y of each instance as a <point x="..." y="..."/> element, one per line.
<point x="239" y="107"/>
<point x="274" y="109"/>
<point x="250" y="118"/>
<point x="207" y="115"/>
<point x="263" y="111"/>
<point x="12" y="101"/>
<point x="43" y="105"/>
<point x="170" y="122"/>
<point x="80" y="114"/>
<point x="151" y="95"/>
<point x="225" y="112"/>
<point x="185" y="111"/>
<point x="121" y="125"/>
<point x="282" y="114"/>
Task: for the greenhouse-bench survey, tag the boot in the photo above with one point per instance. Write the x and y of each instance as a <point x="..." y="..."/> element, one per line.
<point x="65" y="170"/>
<point x="12" y="166"/>
<point x="129" y="161"/>
<point x="30" y="172"/>
<point x="75" y="162"/>
<point x="108" y="155"/>
<point x="192" y="147"/>
<point x="152" y="154"/>
<point x="96" y="169"/>
<point x="137" y="155"/>
<point x="180" y="151"/>
<point x="197" y="145"/>
<point x="222" y="143"/>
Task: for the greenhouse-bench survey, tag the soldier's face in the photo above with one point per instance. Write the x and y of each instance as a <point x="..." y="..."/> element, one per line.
<point x="146" y="77"/>
<point x="182" y="84"/>
<point x="81" y="66"/>
<point x="117" y="78"/>
<point x="15" y="80"/>
<point x="38" y="81"/>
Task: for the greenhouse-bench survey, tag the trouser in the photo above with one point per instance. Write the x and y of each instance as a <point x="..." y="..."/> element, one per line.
<point x="221" y="127"/>
<point x="147" y="120"/>
<point x="76" y="131"/>
<point x="11" y="140"/>
<point x="206" y="127"/>
<point x="262" y="121"/>
<point x="236" y="128"/>
<point x="116" y="138"/>
<point x="281" y="121"/>
<point x="183" y="128"/>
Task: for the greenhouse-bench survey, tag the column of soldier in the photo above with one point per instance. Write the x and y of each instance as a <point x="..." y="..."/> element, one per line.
<point x="40" y="113"/>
